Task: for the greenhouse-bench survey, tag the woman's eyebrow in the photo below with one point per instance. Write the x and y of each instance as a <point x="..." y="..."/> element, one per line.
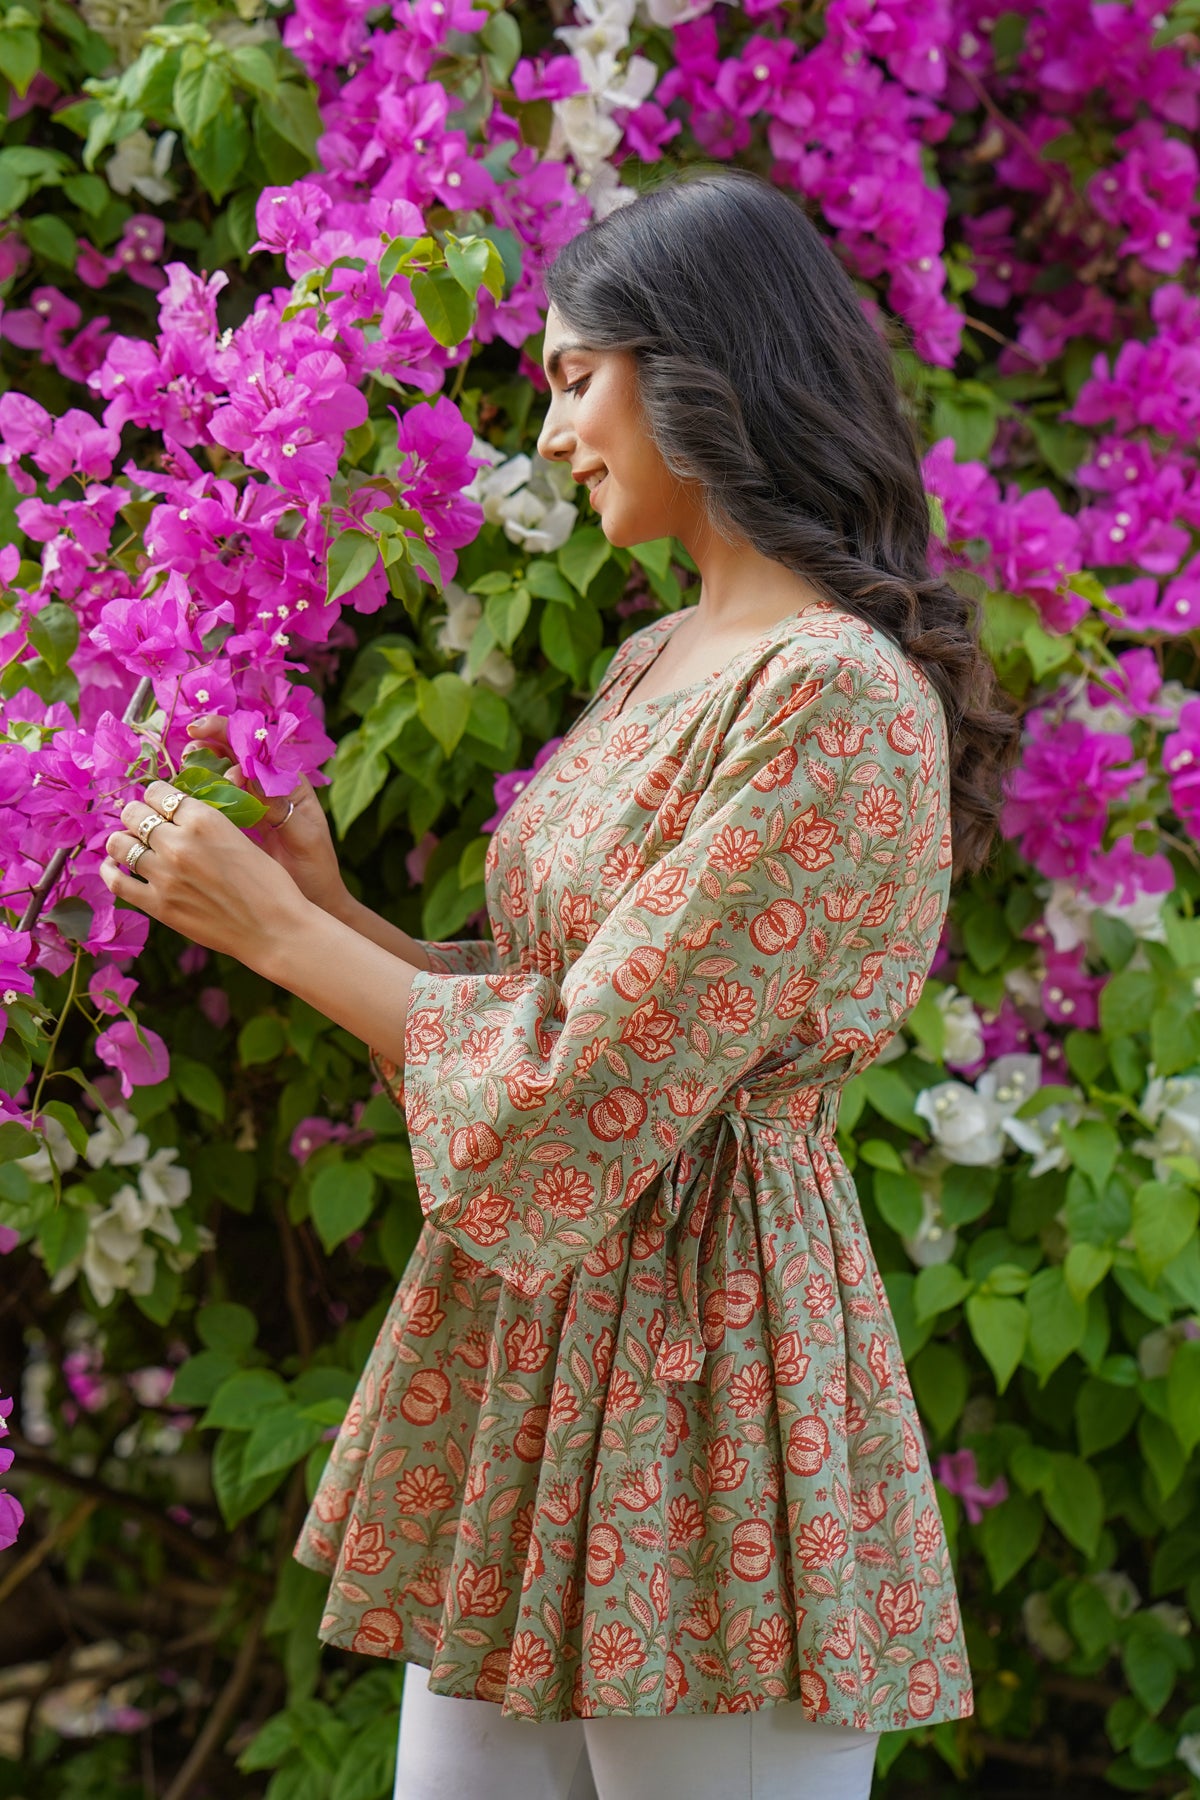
<point x="554" y="360"/>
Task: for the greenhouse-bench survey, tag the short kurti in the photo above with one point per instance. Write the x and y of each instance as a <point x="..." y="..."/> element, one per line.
<point x="636" y="1434"/>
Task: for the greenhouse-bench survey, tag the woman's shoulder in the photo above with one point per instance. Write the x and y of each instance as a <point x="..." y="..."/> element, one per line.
<point x="848" y="659"/>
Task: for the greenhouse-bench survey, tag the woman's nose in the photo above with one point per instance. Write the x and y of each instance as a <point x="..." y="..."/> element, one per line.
<point x="554" y="440"/>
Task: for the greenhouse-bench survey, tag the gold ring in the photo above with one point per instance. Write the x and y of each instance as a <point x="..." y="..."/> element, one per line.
<point x="148" y="824"/>
<point x="135" y="856"/>
<point x="287" y="815"/>
<point x="170" y="806"/>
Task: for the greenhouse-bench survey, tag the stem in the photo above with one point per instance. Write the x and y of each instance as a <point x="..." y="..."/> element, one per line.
<point x="59" y="860"/>
<point x="62" y="1533"/>
<point x="58" y="1025"/>
<point x="179" y="1539"/>
<point x="219" y="1718"/>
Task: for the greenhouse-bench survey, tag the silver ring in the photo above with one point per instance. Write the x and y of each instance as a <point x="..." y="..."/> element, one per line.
<point x="170" y="806"/>
<point x="135" y="856"/>
<point x="280" y="823"/>
<point x="148" y="824"/>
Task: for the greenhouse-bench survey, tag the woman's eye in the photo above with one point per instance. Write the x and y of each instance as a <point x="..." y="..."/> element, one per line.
<point x="576" y="385"/>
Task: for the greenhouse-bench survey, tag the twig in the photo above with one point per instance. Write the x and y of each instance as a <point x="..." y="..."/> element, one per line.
<point x="217" y="1723"/>
<point x="294" y="1283"/>
<point x="30" y="1463"/>
<point x="58" y="861"/>
<point x="62" y="1533"/>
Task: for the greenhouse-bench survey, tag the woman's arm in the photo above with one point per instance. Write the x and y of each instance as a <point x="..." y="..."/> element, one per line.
<point x="368" y="924"/>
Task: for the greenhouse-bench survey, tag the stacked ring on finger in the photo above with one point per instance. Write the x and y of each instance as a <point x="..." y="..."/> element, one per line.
<point x="135" y="856"/>
<point x="149" y="823"/>
<point x="170" y="806"/>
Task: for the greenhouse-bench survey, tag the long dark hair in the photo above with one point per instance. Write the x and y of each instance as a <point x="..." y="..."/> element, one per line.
<point x="763" y="380"/>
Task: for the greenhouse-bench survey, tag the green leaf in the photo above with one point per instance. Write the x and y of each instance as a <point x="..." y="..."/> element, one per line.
<point x="1057" y="1321"/>
<point x="1085" y="1267"/>
<point x="199" y="1085"/>
<point x="51" y="238"/>
<point x="236" y="1497"/>
<point x="278" y="1442"/>
<point x="17" y="1140"/>
<point x="506" y="614"/>
<point x="1010" y="1533"/>
<point x="444" y="707"/>
<point x="448" y="313"/>
<point x="54" y="632"/>
<point x="583" y="556"/>
<point x="1161" y="1452"/>
<point x="15" y="1064"/>
<point x="255" y="69"/>
<point x="1127" y="1001"/>
<point x="239" y="807"/>
<point x="197" y="1380"/>
<point x="359" y="771"/>
<point x="1093" y="1147"/>
<point x="468" y="262"/>
<point x="1165" y="1216"/>
<point x="261" y="1040"/>
<point x="544" y="580"/>
<point x="938" y="1288"/>
<point x="63" y="1237"/>
<point x="371" y="1771"/>
<point x="941" y="1383"/>
<point x="999" y="1326"/>
<point x="226" y="1326"/>
<point x="343" y="1194"/>
<point x="162" y="1302"/>
<point x="1183" y="1393"/>
<point x="220" y="156"/>
<point x="892" y="1098"/>
<point x="1103" y="1414"/>
<point x="202" y="90"/>
<point x="1090" y="1618"/>
<point x="20" y="54"/>
<point x="351" y="557"/>
<point x="240" y="1402"/>
<point x="72" y="1124"/>
<point x="967" y="1193"/>
<point x="293" y="115"/>
<point x="1148" y="1662"/>
<point x="1075" y="1502"/>
<point x="898" y="1199"/>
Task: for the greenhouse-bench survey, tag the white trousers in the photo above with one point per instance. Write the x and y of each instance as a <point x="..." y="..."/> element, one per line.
<point x="454" y="1749"/>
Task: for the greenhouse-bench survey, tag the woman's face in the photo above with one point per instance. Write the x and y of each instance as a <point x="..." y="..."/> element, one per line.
<point x="596" y="425"/>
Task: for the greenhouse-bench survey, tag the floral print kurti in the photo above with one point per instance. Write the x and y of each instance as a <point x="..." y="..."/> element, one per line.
<point x="636" y="1435"/>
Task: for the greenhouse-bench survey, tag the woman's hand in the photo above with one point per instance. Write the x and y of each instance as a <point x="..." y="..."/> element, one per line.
<point x="299" y="840"/>
<point x="202" y="876"/>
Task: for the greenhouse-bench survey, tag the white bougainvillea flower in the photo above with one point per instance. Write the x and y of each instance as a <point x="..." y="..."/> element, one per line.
<point x="65" y="1155"/>
<point x="1041" y="1138"/>
<point x="1043" y="1630"/>
<point x="1172" y="1103"/>
<point x="963" y="1042"/>
<point x="118" y="1142"/>
<point x="968" y="1122"/>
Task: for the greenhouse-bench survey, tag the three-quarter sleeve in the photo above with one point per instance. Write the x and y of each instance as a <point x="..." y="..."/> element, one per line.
<point x="540" y="1107"/>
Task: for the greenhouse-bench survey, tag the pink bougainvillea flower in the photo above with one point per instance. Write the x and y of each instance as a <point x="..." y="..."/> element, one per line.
<point x="958" y="1474"/>
<point x="139" y="1060"/>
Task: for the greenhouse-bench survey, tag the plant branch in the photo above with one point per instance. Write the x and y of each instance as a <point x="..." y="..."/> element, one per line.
<point x="219" y="1719"/>
<point x="30" y="1463"/>
<point x="62" y="1533"/>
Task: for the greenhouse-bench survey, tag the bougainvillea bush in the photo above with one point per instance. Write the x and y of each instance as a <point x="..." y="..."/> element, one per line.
<point x="270" y="345"/>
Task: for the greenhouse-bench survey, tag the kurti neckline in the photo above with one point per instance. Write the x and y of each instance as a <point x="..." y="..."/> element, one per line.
<point x="657" y="640"/>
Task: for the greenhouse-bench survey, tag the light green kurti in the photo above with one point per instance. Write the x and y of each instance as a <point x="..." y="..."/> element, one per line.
<point x="636" y="1435"/>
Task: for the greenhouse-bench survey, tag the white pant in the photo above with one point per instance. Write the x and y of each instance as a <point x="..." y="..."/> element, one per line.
<point x="465" y="1750"/>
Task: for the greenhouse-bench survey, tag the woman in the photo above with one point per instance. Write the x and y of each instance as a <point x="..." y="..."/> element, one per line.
<point x="634" y="1477"/>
